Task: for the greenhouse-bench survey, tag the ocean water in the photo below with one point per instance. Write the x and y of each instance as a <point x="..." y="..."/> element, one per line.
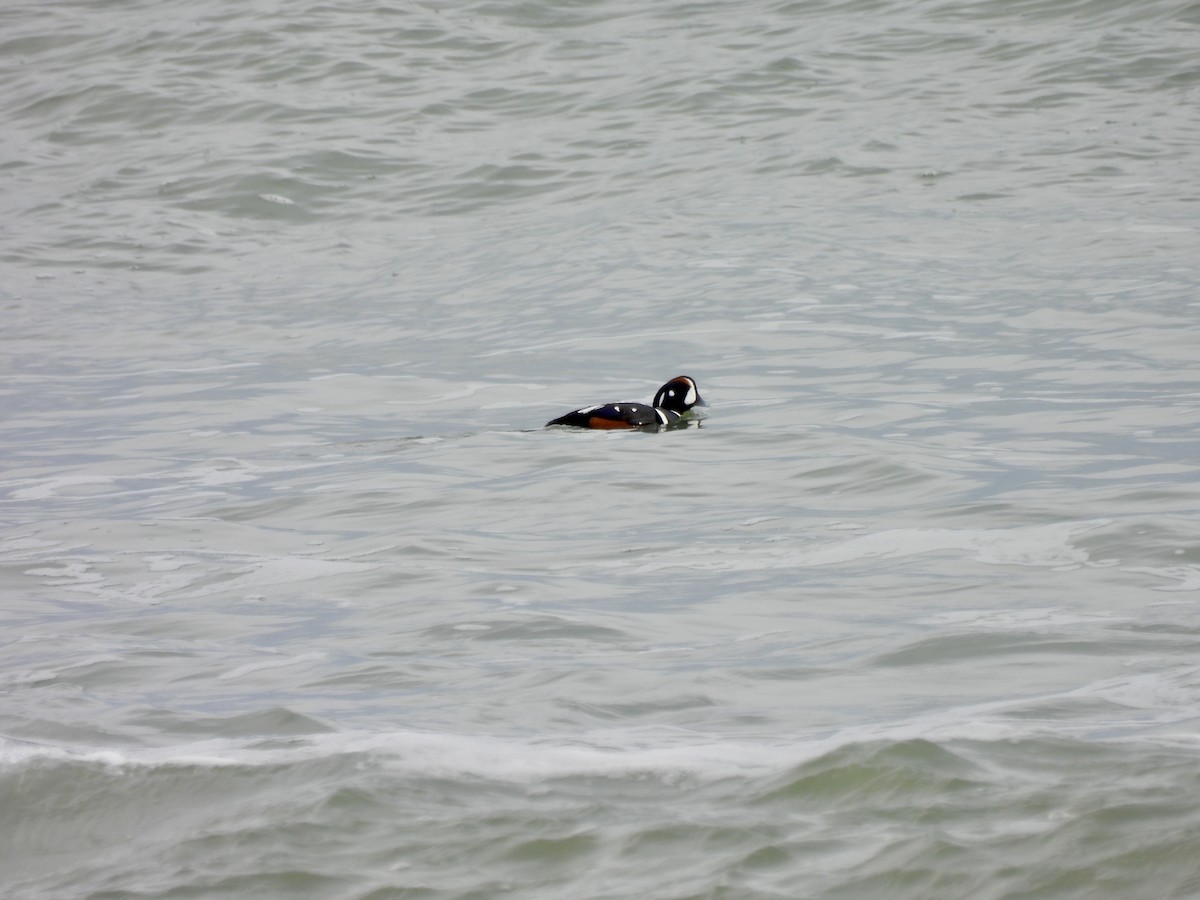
<point x="299" y="599"/>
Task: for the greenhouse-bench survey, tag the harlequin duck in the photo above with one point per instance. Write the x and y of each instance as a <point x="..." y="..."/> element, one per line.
<point x="671" y="407"/>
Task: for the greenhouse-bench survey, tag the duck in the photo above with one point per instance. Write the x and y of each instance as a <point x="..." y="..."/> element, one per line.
<point x="670" y="408"/>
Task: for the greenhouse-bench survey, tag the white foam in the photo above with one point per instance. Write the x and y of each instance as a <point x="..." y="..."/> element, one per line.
<point x="1021" y="619"/>
<point x="219" y="472"/>
<point x="1162" y="706"/>
<point x="283" y="570"/>
<point x="68" y="573"/>
<point x="282" y="662"/>
<point x="17" y="677"/>
<point x="1042" y="545"/>
<point x="1160" y="701"/>
<point x="50" y="487"/>
<point x="1185" y="578"/>
<point x="1159" y="692"/>
<point x="23" y="544"/>
<point x="440" y="755"/>
<point x="165" y="563"/>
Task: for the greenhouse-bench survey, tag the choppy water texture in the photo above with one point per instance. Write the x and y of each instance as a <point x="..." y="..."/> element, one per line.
<point x="299" y="599"/>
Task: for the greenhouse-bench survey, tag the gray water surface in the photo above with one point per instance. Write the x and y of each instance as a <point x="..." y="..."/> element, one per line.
<point x="300" y="600"/>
